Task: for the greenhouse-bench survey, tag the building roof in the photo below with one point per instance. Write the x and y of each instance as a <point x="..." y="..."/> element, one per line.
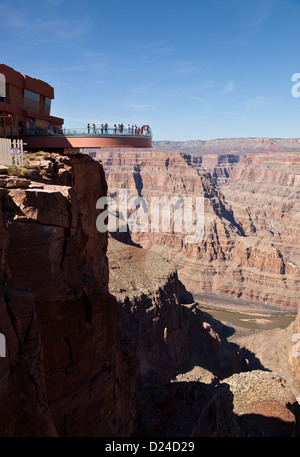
<point x="15" y="78"/>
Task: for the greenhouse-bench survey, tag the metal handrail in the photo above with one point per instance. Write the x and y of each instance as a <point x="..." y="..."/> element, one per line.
<point x="98" y="131"/>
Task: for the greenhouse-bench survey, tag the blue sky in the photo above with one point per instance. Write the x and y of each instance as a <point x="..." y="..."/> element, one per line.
<point x="190" y="69"/>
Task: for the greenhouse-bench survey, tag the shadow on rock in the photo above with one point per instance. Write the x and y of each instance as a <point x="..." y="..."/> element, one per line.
<point x="257" y="425"/>
<point x="248" y="358"/>
<point x="209" y="348"/>
<point x="186" y="409"/>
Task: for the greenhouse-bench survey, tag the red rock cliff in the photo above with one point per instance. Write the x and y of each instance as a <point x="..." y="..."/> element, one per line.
<point x="64" y="369"/>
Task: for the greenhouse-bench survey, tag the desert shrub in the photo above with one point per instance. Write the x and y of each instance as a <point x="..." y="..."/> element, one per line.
<point x="28" y="165"/>
<point x="41" y="154"/>
<point x="14" y="170"/>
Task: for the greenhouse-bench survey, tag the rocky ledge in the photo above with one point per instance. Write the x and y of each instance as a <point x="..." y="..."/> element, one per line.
<point x="263" y="403"/>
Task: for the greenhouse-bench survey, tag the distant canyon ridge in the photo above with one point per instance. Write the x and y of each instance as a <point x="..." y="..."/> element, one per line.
<point x="251" y="189"/>
<point x="231" y="145"/>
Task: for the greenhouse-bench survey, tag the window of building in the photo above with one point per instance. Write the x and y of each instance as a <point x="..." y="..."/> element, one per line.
<point x="41" y="127"/>
<point x="47" y="106"/>
<point x="14" y="95"/>
<point x="2" y="87"/>
<point x="31" y="101"/>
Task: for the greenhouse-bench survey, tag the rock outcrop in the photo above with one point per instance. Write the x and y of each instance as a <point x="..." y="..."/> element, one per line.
<point x="64" y="373"/>
<point x="182" y="386"/>
<point x="178" y="357"/>
<point x="150" y="297"/>
<point x="263" y="403"/>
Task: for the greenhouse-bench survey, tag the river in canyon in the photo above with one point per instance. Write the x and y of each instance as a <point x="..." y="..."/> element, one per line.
<point x="241" y="314"/>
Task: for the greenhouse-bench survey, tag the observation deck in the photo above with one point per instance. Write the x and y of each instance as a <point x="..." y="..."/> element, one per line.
<point x="76" y="138"/>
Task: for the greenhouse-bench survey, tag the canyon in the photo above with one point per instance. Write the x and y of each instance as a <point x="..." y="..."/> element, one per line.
<point x="104" y="336"/>
<point x="250" y="247"/>
<point x="76" y="363"/>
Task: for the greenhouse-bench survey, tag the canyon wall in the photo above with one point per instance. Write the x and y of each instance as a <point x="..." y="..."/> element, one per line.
<point x="294" y="352"/>
<point x="231" y="260"/>
<point x="263" y="191"/>
<point x="65" y="373"/>
<point x="181" y="361"/>
<point x="178" y="357"/>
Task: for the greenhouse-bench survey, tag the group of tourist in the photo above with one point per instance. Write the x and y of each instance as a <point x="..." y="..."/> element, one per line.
<point x="119" y="129"/>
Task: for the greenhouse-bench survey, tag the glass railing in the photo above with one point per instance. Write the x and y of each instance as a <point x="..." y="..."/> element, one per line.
<point x="97" y="131"/>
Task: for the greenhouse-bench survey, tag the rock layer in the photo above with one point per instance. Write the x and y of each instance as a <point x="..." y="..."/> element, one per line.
<point x="263" y="191"/>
